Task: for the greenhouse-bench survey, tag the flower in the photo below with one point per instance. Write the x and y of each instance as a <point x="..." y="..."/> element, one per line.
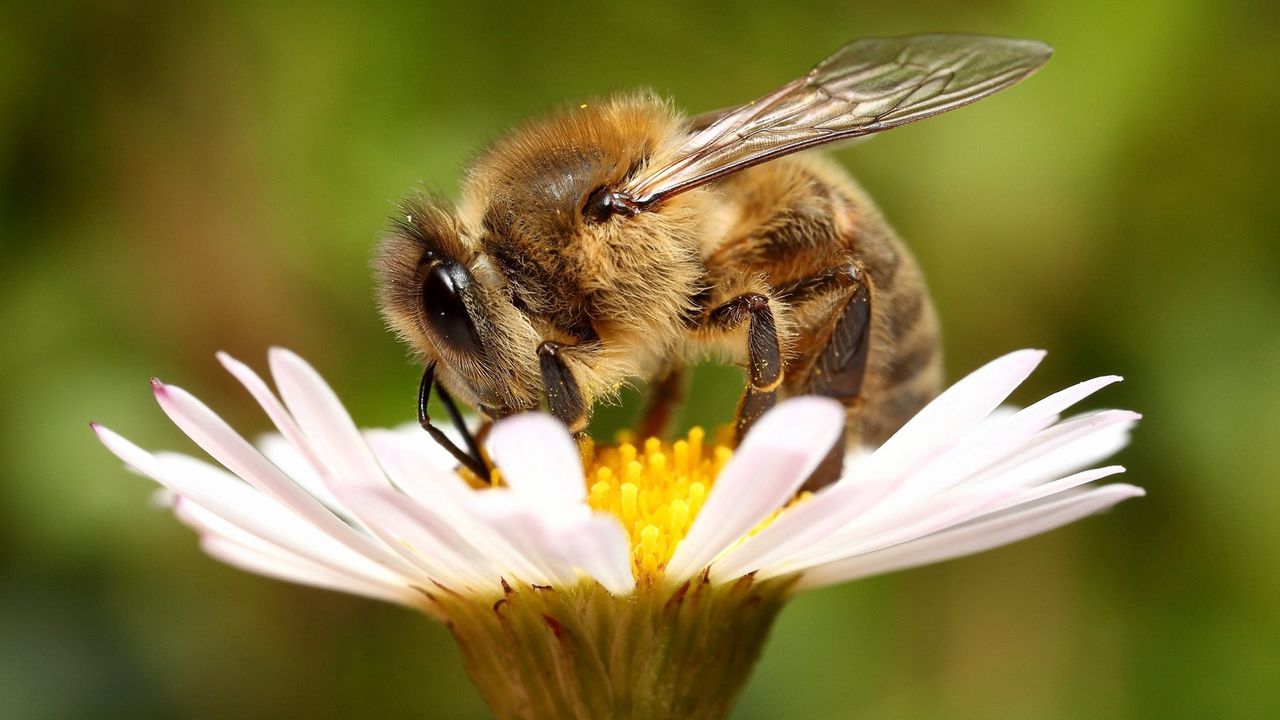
<point x="651" y="532"/>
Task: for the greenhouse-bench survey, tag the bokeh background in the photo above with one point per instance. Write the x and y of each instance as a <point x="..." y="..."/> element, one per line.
<point x="174" y="181"/>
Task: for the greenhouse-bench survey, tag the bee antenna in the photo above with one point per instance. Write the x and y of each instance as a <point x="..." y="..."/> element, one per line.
<point x="473" y="462"/>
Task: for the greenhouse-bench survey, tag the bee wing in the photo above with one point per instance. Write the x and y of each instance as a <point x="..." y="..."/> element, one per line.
<point x="702" y="121"/>
<point x="865" y="87"/>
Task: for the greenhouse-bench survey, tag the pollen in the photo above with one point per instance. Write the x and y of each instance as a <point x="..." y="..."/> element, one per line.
<point x="655" y="488"/>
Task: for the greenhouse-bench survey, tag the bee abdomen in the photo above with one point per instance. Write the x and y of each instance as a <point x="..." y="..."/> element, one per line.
<point x="905" y="367"/>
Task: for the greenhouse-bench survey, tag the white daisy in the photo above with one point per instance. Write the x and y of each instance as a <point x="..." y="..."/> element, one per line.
<point x="651" y="532"/>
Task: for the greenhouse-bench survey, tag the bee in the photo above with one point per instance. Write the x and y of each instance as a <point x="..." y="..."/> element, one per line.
<point x="618" y="240"/>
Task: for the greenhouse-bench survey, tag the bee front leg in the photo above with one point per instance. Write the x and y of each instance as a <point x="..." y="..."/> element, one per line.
<point x="564" y="397"/>
<point x="764" y="354"/>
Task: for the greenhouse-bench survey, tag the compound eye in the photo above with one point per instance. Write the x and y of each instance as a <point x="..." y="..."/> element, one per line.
<point x="443" y="309"/>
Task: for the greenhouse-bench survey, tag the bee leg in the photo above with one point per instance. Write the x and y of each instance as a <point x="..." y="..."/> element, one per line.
<point x="564" y="397"/>
<point x="753" y="404"/>
<point x="764" y="354"/>
<point x="832" y="280"/>
<point x="475" y="464"/>
<point x="667" y="391"/>
<point x="839" y="369"/>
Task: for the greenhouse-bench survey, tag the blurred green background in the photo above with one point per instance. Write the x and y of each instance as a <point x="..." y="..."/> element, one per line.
<point x="178" y="181"/>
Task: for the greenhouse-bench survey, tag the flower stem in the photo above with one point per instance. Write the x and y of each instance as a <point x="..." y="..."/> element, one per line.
<point x="537" y="653"/>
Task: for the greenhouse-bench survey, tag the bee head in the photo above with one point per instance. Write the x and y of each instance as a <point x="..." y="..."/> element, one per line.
<point x="444" y="299"/>
<point x="540" y="249"/>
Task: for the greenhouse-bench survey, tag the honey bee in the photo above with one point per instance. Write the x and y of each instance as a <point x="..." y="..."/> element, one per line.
<point x="618" y="240"/>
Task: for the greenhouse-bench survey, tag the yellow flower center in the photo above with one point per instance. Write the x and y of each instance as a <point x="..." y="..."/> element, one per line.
<point x="655" y="490"/>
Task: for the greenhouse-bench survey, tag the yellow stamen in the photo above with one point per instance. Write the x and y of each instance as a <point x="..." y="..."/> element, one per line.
<point x="655" y="490"/>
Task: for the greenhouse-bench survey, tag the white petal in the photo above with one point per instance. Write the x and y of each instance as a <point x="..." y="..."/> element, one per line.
<point x="952" y="414"/>
<point x="241" y="506"/>
<point x="1006" y="422"/>
<point x="815" y="536"/>
<point x="279" y="562"/>
<point x="413" y="432"/>
<point x="1059" y="486"/>
<point x="1063" y="448"/>
<point x="997" y="439"/>
<point x="919" y="520"/>
<point x="305" y="466"/>
<point x="801" y="526"/>
<point x="817" y="528"/>
<point x="244" y="508"/>
<point x="286" y="456"/>
<point x="1056" y="453"/>
<point x="539" y="459"/>
<point x="256" y="561"/>
<point x="416" y="470"/>
<point x="329" y="430"/>
<point x="425" y="537"/>
<point x="218" y="439"/>
<point x="495" y="522"/>
<point x="598" y="546"/>
<point x="524" y="537"/>
<point x="777" y="455"/>
<point x="1042" y="414"/>
<point x="972" y="538"/>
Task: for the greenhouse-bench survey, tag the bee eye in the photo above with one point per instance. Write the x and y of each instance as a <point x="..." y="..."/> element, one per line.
<point x="443" y="309"/>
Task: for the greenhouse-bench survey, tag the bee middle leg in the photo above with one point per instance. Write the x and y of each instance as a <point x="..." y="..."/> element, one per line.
<point x="764" y="354"/>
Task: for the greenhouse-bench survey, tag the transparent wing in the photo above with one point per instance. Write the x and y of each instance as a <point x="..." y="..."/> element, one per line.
<point x="865" y="87"/>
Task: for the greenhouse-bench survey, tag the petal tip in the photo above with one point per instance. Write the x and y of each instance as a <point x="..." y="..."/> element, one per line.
<point x="227" y="361"/>
<point x="108" y="437"/>
<point x="276" y="353"/>
<point x="104" y="434"/>
<point x="1030" y="357"/>
<point x="1019" y="362"/>
<point x="1123" y="491"/>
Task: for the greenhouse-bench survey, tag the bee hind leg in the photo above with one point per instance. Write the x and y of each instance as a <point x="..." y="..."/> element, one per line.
<point x="666" y="392"/>
<point x="840" y="366"/>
